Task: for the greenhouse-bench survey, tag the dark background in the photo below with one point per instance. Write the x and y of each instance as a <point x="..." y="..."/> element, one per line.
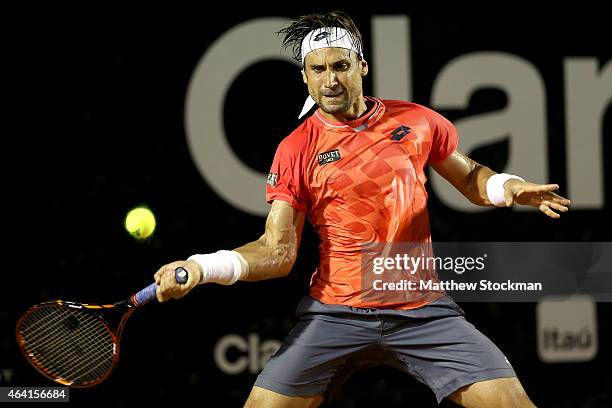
<point x="100" y="110"/>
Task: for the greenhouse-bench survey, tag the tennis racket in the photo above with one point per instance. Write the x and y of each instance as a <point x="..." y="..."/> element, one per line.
<point x="73" y="343"/>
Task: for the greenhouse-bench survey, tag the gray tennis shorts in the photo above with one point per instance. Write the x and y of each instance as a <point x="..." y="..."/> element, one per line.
<point x="434" y="344"/>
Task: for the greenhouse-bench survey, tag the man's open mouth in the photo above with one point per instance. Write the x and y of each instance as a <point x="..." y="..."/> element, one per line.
<point x="334" y="95"/>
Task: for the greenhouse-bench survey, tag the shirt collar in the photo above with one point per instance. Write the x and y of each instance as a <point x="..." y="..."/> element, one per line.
<point x="361" y="123"/>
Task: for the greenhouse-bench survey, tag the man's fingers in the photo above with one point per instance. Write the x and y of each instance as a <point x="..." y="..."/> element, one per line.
<point x="546" y="210"/>
<point x="550" y="187"/>
<point x="540" y="187"/>
<point x="165" y="284"/>
<point x="168" y="278"/>
<point x="160" y="296"/>
<point x="168" y="288"/>
<point x="558" y="199"/>
<point x="555" y="198"/>
<point x="540" y="196"/>
<point x="157" y="276"/>
<point x="556" y="206"/>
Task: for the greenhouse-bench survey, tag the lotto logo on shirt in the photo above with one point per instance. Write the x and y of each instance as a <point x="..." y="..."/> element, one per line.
<point x="329" y="157"/>
<point x="400" y="132"/>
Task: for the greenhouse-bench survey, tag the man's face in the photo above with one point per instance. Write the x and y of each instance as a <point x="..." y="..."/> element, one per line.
<point x="334" y="76"/>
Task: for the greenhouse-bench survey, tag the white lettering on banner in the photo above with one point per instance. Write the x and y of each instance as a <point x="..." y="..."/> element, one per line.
<point x="257" y="353"/>
<point x="588" y="94"/>
<point x="523" y="121"/>
<point x="243" y="45"/>
<point x="567" y="329"/>
<point x="392" y="55"/>
<point x="568" y="340"/>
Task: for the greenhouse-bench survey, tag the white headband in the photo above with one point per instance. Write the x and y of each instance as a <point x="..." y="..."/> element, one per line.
<point x="327" y="37"/>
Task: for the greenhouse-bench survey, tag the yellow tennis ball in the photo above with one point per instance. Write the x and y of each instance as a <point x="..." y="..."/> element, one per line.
<point x="140" y="222"/>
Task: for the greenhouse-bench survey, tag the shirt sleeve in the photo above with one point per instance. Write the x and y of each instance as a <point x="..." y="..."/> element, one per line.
<point x="284" y="180"/>
<point x="444" y="137"/>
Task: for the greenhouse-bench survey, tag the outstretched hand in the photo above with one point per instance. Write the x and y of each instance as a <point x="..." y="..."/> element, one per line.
<point x="541" y="196"/>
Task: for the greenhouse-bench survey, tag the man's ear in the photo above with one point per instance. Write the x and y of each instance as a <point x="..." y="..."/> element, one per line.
<point x="364" y="67"/>
<point x="304" y="77"/>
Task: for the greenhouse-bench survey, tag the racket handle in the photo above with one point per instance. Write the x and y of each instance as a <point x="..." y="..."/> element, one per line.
<point x="149" y="293"/>
<point x="181" y="275"/>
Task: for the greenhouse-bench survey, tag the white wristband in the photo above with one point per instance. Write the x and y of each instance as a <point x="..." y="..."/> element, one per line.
<point x="495" y="188"/>
<point x="224" y="267"/>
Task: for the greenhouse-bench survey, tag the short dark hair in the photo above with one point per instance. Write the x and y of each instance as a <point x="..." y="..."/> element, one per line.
<point x="294" y="33"/>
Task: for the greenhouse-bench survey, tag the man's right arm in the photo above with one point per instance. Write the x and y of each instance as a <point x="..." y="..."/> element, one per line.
<point x="271" y="256"/>
<point x="274" y="253"/>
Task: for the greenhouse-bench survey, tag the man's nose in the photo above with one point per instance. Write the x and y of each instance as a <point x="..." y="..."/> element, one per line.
<point x="331" y="80"/>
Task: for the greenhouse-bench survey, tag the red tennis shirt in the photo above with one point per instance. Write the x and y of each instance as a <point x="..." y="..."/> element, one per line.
<point x="361" y="182"/>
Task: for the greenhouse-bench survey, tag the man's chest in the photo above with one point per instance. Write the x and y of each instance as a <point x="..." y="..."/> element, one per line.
<point x="369" y="163"/>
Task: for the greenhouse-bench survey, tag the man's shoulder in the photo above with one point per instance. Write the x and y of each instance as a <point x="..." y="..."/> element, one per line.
<point x="300" y="137"/>
<point x="406" y="109"/>
<point x="399" y="105"/>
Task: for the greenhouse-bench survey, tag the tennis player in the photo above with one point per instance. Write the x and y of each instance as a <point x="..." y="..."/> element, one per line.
<point x="356" y="169"/>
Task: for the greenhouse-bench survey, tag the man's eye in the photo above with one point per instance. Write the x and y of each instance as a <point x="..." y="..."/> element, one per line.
<point x="318" y="70"/>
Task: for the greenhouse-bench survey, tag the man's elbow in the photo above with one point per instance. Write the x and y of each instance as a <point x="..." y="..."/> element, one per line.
<point x="283" y="259"/>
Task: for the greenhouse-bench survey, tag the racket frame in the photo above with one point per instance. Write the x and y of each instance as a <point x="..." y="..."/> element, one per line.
<point x="126" y="306"/>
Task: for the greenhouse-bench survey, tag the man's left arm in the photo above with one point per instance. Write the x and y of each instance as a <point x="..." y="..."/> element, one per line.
<point x="470" y="178"/>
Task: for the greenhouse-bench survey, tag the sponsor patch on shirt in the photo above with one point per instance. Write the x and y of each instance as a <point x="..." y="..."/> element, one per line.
<point x="272" y="178"/>
<point x="328" y="157"/>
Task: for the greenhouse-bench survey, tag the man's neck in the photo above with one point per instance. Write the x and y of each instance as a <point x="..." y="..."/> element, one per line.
<point x="359" y="108"/>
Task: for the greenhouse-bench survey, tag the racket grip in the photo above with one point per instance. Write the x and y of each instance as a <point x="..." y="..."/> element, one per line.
<point x="181" y="275"/>
<point x="147" y="294"/>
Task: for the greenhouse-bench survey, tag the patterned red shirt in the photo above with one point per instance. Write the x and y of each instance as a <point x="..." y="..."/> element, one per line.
<point x="361" y="182"/>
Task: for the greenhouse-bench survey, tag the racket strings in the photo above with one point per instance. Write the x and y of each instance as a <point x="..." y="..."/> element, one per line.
<point x="78" y="350"/>
<point x="53" y="339"/>
<point x="42" y="334"/>
<point x="80" y="353"/>
<point x="68" y="344"/>
<point x="84" y="345"/>
<point x="81" y="359"/>
<point x="46" y="319"/>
